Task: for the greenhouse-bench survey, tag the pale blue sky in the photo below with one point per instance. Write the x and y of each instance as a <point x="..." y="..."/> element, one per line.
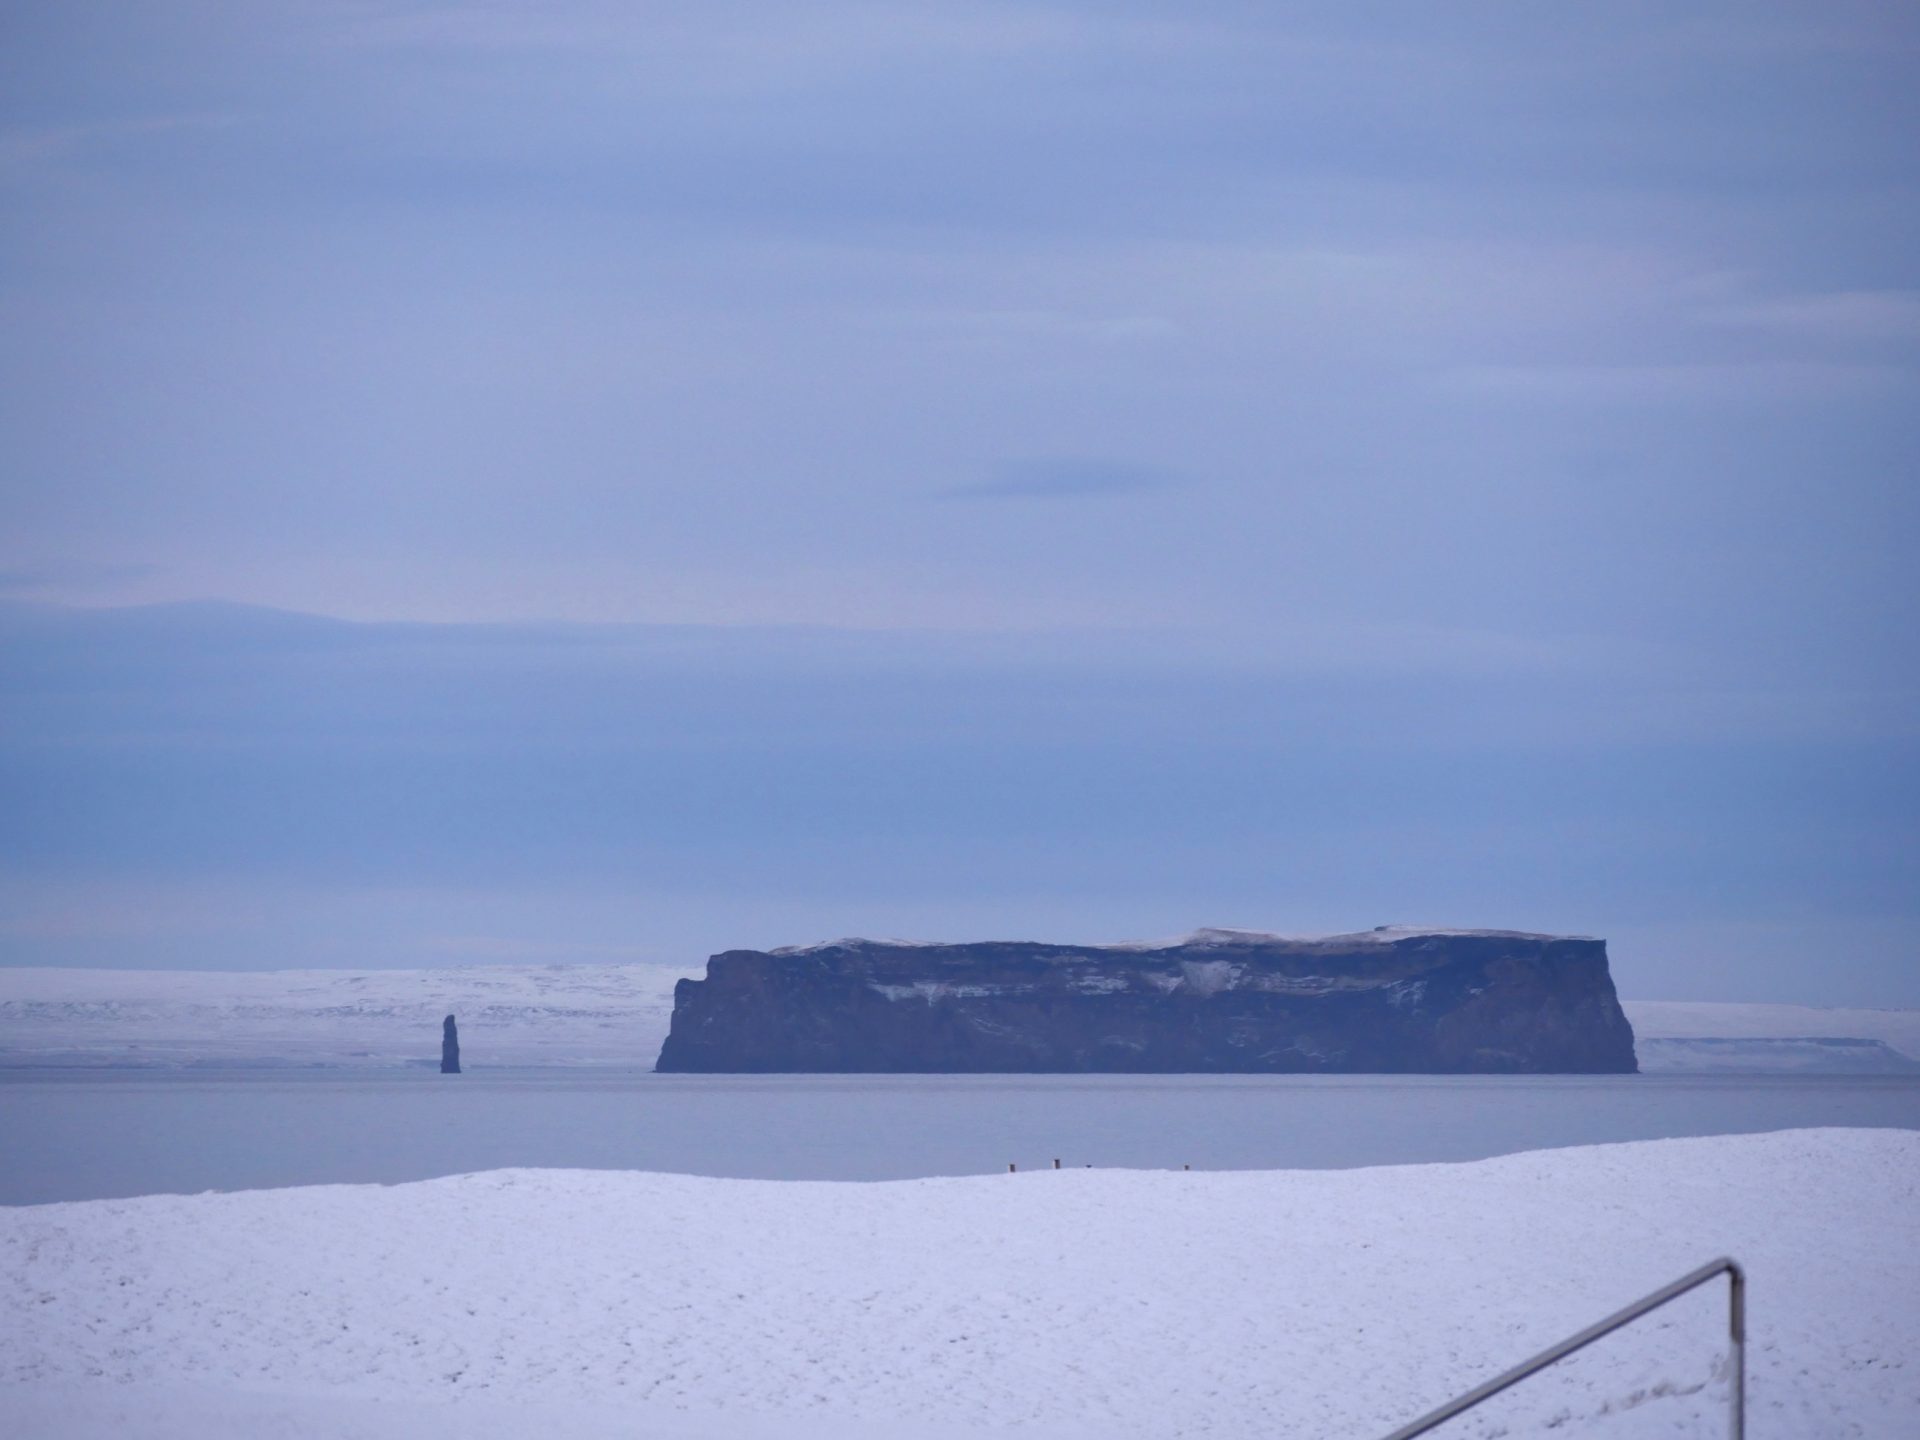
<point x="1080" y="471"/>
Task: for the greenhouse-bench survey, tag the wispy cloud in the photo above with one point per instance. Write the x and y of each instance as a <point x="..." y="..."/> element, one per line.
<point x="1848" y="315"/>
<point x="23" y="146"/>
<point x="75" y="576"/>
<point x="1065" y="478"/>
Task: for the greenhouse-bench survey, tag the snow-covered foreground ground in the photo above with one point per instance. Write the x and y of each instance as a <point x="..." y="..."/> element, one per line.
<point x="1073" y="1304"/>
<point x="618" y="1015"/>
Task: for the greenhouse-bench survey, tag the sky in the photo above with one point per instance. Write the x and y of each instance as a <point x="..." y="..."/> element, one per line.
<point x="580" y="482"/>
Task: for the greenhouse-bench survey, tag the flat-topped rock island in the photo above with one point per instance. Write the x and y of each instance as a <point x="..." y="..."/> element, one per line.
<point x="1396" y="1000"/>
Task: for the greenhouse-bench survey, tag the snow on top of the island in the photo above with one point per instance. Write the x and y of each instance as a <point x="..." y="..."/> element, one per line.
<point x="1222" y="938"/>
<point x="856" y="942"/>
<point x="1065" y="1304"/>
<point x="1206" y="937"/>
<point x="1387" y="933"/>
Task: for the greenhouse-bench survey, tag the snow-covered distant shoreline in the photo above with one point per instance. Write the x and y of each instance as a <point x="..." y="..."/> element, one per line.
<point x="618" y="1014"/>
<point x="1675" y="1035"/>
<point x="594" y="1304"/>
<point x="509" y="1015"/>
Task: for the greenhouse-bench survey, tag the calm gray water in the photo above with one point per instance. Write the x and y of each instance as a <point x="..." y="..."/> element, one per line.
<point x="73" y="1135"/>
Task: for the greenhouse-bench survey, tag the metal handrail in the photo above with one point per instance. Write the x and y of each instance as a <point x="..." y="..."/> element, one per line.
<point x="1736" y="1328"/>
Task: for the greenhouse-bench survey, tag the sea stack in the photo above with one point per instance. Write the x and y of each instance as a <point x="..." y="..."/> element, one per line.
<point x="1396" y="1000"/>
<point x="449" y="1047"/>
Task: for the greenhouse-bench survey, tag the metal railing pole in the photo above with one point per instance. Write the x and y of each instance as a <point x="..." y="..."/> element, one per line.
<point x="1736" y="1328"/>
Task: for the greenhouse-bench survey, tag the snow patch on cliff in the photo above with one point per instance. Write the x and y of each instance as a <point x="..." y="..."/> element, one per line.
<point x="1208" y="977"/>
<point x="934" y="990"/>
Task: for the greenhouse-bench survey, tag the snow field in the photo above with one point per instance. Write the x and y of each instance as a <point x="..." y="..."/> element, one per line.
<point x="1111" y="1303"/>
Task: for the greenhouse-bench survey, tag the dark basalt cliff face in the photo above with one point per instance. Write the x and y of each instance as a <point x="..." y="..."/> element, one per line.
<point x="1389" y="1000"/>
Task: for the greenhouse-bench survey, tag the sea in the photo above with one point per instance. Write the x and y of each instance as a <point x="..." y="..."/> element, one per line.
<point x="104" y="1133"/>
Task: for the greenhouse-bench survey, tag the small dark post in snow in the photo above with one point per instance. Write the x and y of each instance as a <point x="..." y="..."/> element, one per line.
<point x="1056" y="1162"/>
<point x="1011" y="1167"/>
<point x="449" y="1047"/>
